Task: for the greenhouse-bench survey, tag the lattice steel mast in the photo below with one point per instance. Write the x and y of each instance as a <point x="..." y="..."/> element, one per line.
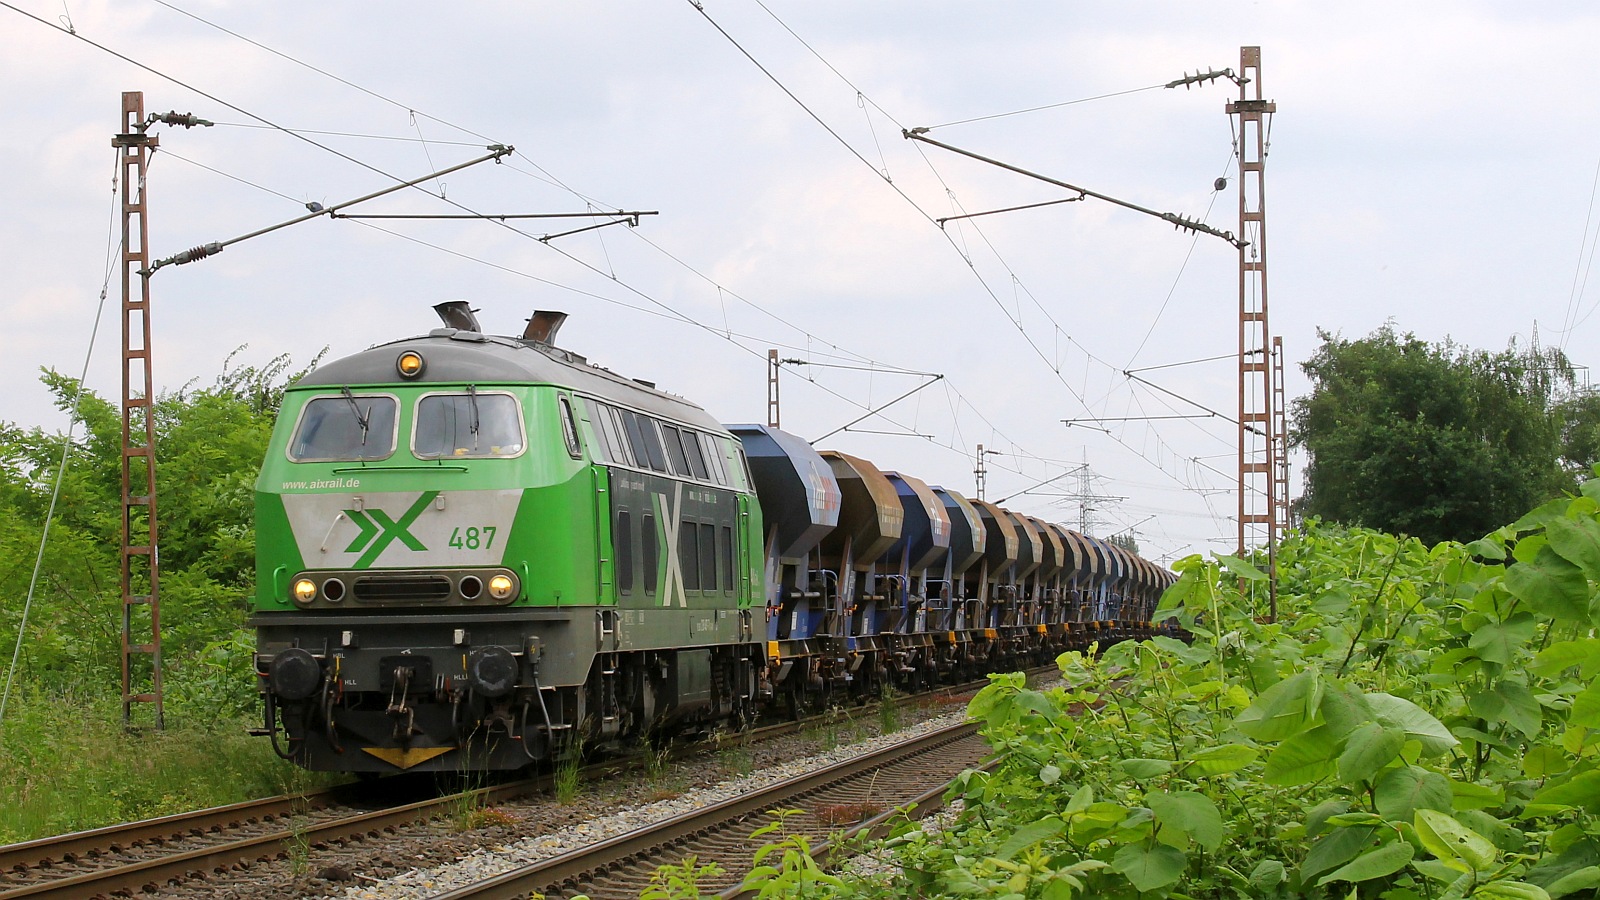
<point x="141" y="569"/>
<point x="1258" y="442"/>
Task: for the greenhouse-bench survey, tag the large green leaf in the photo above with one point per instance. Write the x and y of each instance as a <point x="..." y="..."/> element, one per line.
<point x="1221" y="760"/>
<point x="1367" y="750"/>
<point x="1386" y="860"/>
<point x="1188" y="591"/>
<point x="1551" y="585"/>
<point x="1189" y="812"/>
<point x="1287" y="708"/>
<point x="1344" y="707"/>
<point x="1471" y="795"/>
<point x="1511" y="890"/>
<point x="1543" y="514"/>
<point x="1581" y="791"/>
<point x="1240" y="569"/>
<point x="1584" y="879"/>
<point x="1303" y="758"/>
<point x="1401" y="792"/>
<point x="1585" y="712"/>
<point x="1142" y="769"/>
<point x="1448" y="839"/>
<point x="1336" y="848"/>
<point x="1149" y="868"/>
<point x="1563" y="655"/>
<point x="1499" y="642"/>
<point x="1520" y="710"/>
<point x="1415" y="721"/>
<point x="1578" y="541"/>
<point x="1030" y="834"/>
<point x="1268" y="874"/>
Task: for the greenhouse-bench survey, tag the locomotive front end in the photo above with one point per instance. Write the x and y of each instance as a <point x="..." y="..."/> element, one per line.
<point x="420" y="534"/>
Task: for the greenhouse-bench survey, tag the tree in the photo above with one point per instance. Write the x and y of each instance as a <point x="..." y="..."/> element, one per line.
<point x="209" y="445"/>
<point x="1436" y="441"/>
<point x="1580" y="433"/>
<point x="1125" y="540"/>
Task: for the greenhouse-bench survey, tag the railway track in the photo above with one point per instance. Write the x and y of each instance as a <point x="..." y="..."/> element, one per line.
<point x="144" y="856"/>
<point x="863" y="790"/>
<point x="148" y="855"/>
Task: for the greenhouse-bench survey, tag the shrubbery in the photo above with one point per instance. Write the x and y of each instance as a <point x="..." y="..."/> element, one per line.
<point x="1419" y="723"/>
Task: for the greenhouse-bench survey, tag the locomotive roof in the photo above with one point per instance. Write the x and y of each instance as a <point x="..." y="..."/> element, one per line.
<point x="453" y="356"/>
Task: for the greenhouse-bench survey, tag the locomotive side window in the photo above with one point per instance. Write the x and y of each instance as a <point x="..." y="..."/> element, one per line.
<point x="622" y="548"/>
<point x="602" y="441"/>
<point x="569" y="429"/>
<point x="674" y="441"/>
<point x="342" y="428"/>
<point x="689" y="555"/>
<point x="744" y="470"/>
<point x="726" y="548"/>
<point x="652" y="552"/>
<point x="469" y="425"/>
<point x="617" y="434"/>
<point x="652" y="443"/>
<point x="708" y="557"/>
<point x="635" y="431"/>
<point x="691" y="451"/>
<point x="714" y="456"/>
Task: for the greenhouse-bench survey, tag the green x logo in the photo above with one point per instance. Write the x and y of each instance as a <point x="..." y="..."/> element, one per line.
<point x="378" y="531"/>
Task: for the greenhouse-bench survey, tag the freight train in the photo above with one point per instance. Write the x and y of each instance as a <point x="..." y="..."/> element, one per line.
<point x="479" y="552"/>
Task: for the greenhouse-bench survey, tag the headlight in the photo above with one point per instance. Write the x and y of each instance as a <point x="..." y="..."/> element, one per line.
<point x="501" y="586"/>
<point x="305" y="591"/>
<point x="410" y="364"/>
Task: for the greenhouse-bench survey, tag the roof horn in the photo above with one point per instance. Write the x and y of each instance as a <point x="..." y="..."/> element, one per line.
<point x="458" y="314"/>
<point x="543" y="325"/>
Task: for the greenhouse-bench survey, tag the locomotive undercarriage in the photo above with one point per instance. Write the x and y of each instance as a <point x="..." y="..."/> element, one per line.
<point x="505" y="689"/>
<point x="498" y="690"/>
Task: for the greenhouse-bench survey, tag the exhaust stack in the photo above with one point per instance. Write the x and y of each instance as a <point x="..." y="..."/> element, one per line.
<point x="458" y="314"/>
<point x="542" y="327"/>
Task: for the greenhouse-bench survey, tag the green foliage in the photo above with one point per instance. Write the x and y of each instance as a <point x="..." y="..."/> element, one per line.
<point x="568" y="779"/>
<point x="1419" y="723"/>
<point x="68" y="765"/>
<point x="65" y="763"/>
<point x="209" y="445"/>
<point x="680" y="882"/>
<point x="785" y="867"/>
<point x="1437" y="441"/>
<point x="1125" y="540"/>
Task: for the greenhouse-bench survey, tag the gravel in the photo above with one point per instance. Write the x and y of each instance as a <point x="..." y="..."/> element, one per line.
<point x="490" y="861"/>
<point x="428" y="858"/>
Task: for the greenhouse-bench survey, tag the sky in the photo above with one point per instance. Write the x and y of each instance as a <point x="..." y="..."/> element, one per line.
<point x="1432" y="164"/>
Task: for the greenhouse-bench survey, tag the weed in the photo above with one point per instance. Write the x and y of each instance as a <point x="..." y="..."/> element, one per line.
<point x="888" y="709"/>
<point x="568" y="777"/>
<point x="297" y="848"/>
<point x="680" y="882"/>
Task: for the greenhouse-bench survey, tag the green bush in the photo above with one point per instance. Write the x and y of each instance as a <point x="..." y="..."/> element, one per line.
<point x="1419" y="723"/>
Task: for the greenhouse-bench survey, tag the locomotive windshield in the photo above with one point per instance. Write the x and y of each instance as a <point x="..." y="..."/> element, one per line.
<point x="470" y="424"/>
<point x="349" y="427"/>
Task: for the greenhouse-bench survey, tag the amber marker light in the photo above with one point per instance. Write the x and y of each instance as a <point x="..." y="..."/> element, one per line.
<point x="410" y="364"/>
<point x="305" y="591"/>
<point x="500" y="586"/>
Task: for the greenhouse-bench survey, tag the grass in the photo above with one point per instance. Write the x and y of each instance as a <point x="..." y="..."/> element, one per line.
<point x="888" y="709"/>
<point x="568" y="777"/>
<point x="66" y="764"/>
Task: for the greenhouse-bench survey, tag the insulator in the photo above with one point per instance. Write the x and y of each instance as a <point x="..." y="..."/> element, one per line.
<point x="187" y="120"/>
<point x="196" y="253"/>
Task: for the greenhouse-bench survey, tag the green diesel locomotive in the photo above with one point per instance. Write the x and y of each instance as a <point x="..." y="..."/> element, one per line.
<point x="475" y="552"/>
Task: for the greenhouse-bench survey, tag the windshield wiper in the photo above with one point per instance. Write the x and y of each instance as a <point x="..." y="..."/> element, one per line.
<point x="472" y="399"/>
<point x="361" y="418"/>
